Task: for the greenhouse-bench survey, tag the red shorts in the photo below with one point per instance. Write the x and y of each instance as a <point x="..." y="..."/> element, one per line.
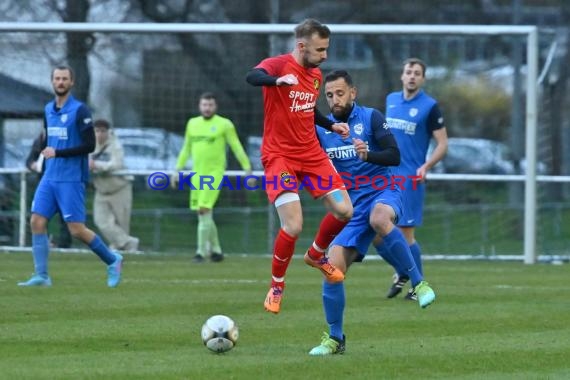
<point x="318" y="176"/>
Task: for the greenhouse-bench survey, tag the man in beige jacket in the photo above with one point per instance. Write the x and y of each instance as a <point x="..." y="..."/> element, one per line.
<point x="113" y="193"/>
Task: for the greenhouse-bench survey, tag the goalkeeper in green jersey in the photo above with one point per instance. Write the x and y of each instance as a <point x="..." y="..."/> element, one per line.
<point x="205" y="142"/>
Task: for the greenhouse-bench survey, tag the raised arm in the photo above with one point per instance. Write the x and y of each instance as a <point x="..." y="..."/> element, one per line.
<point x="322" y="121"/>
<point x="260" y="77"/>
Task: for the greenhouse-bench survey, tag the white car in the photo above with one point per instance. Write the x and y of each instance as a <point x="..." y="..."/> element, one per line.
<point x="150" y="148"/>
<point x="480" y="156"/>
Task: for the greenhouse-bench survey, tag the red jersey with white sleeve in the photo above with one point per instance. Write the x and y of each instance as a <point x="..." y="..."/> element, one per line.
<point x="289" y="125"/>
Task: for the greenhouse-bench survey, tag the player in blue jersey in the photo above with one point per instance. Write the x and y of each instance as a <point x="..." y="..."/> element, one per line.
<point x="414" y="118"/>
<point x="70" y="139"/>
<point x="363" y="160"/>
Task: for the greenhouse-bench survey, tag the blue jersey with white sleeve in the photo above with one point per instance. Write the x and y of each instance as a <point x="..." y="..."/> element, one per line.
<point x="64" y="127"/>
<point x="363" y="122"/>
<point x="412" y="123"/>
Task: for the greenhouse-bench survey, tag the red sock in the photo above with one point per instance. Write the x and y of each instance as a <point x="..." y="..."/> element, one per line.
<point x="279" y="284"/>
<point x="329" y="228"/>
<point x="283" y="250"/>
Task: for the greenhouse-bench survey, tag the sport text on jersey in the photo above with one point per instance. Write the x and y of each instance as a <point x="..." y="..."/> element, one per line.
<point x="408" y="127"/>
<point x="302" y="101"/>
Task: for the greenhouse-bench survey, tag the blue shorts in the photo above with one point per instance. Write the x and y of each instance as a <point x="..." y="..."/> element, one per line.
<point x="65" y="197"/>
<point x="358" y="233"/>
<point x="413" y="200"/>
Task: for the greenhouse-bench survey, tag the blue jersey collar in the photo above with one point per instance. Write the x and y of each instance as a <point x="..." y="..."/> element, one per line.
<point x="418" y="95"/>
<point x="70" y="100"/>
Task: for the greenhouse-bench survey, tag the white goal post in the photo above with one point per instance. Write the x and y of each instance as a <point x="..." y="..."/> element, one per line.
<point x="530" y="32"/>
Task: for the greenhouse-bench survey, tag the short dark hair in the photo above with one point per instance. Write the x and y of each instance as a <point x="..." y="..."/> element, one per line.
<point x="64" y="67"/>
<point x="101" y="123"/>
<point x="310" y="26"/>
<point x="337" y="74"/>
<point x="415" y="61"/>
<point x="208" y="96"/>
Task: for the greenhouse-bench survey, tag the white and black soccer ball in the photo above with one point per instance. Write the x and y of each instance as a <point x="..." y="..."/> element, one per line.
<point x="220" y="333"/>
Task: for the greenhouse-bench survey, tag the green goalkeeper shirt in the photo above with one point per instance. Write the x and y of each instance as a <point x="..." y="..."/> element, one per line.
<point x="205" y="141"/>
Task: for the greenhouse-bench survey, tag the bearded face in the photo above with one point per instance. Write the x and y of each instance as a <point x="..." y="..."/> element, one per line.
<point x="61" y="81"/>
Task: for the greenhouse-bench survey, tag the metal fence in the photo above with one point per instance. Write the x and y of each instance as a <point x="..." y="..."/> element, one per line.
<point x="465" y="216"/>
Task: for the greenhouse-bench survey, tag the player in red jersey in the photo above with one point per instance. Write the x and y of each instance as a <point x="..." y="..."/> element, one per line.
<point x="292" y="157"/>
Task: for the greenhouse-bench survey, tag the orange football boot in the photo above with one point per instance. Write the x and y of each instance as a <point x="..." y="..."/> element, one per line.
<point x="332" y="273"/>
<point x="272" y="302"/>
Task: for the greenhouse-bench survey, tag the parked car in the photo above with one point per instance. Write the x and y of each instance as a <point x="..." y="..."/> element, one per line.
<point x="480" y="156"/>
<point x="150" y="148"/>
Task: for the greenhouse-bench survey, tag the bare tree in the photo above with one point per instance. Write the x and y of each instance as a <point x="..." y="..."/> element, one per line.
<point x="78" y="44"/>
<point x="221" y="59"/>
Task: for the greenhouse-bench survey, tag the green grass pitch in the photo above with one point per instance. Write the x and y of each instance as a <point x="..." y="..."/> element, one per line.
<point x="491" y="320"/>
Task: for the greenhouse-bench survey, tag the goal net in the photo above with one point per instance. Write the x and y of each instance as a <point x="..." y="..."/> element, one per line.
<point x="146" y="79"/>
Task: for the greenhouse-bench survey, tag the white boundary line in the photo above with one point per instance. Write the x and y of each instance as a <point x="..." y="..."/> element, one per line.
<point x="554" y="259"/>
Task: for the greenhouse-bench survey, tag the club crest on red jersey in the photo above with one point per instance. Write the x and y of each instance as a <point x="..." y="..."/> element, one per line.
<point x="316" y="83"/>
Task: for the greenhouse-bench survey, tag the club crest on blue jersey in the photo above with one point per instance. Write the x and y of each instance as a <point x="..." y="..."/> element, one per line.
<point x="358" y="128"/>
<point x="413" y="112"/>
<point x="64" y="118"/>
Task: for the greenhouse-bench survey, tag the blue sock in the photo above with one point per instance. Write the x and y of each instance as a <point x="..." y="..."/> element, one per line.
<point x="417" y="254"/>
<point x="398" y="247"/>
<point x="333" y="303"/>
<point x="388" y="257"/>
<point x="40" y="252"/>
<point x="100" y="248"/>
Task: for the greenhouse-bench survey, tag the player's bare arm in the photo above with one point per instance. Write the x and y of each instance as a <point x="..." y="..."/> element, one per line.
<point x="360" y="148"/>
<point x="440" y="137"/>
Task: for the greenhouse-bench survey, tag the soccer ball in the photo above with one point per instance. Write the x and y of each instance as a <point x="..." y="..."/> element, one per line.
<point x="220" y="333"/>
